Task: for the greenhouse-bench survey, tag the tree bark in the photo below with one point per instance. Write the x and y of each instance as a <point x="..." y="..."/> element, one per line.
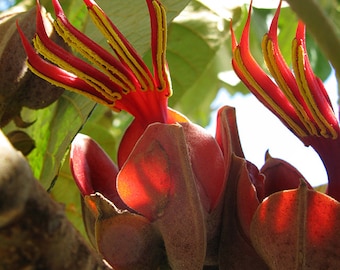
<point x="34" y="231"/>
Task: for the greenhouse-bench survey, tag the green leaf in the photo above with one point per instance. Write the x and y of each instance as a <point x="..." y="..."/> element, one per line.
<point x="53" y="130"/>
<point x="132" y="19"/>
<point x="204" y="89"/>
<point x="66" y="191"/>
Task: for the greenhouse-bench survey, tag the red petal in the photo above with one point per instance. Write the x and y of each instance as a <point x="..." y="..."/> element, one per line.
<point x="247" y="198"/>
<point x="202" y="149"/>
<point x="93" y="170"/>
<point x="129" y="241"/>
<point x="236" y="251"/>
<point x="227" y="132"/>
<point x="138" y="126"/>
<point x="207" y="162"/>
<point x="298" y="229"/>
<point x="144" y="182"/>
<point x="157" y="181"/>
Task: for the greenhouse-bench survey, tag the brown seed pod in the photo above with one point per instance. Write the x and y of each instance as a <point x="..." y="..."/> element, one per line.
<point x="19" y="86"/>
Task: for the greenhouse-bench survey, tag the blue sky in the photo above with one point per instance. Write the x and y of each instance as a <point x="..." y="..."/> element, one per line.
<point x="4" y="4"/>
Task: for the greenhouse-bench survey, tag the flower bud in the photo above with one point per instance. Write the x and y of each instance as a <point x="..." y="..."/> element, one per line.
<point x="280" y="175"/>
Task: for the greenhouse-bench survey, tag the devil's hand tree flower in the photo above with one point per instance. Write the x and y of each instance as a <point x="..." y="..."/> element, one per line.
<point x="290" y="228"/>
<point x="171" y="173"/>
<point x="297" y="98"/>
<point x="122" y="83"/>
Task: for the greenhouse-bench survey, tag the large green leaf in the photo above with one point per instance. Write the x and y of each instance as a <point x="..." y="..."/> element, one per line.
<point x="196" y="100"/>
<point x="132" y="19"/>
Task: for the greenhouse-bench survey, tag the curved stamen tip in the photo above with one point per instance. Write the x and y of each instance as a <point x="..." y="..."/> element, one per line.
<point x="234" y="42"/>
<point x="245" y="33"/>
<point x="58" y="9"/>
<point x="272" y="34"/>
<point x="158" y="45"/>
<point x="300" y="33"/>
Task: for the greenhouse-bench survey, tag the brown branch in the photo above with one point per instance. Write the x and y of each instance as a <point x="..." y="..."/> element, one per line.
<point x="34" y="232"/>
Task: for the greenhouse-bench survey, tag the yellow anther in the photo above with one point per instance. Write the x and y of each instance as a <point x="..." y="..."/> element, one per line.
<point x="72" y="89"/>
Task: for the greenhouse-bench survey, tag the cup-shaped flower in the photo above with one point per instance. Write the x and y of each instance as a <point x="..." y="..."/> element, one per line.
<point x="297" y="98"/>
<point x="106" y="217"/>
<point x="153" y="184"/>
<point x="123" y="82"/>
<point x="165" y="162"/>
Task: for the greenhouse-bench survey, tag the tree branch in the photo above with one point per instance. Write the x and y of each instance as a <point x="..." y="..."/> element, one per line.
<point x="34" y="231"/>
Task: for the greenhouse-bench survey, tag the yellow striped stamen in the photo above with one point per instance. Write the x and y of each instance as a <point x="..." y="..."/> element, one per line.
<point x="265" y="96"/>
<point x="160" y="60"/>
<point x="326" y="130"/>
<point x="113" y="38"/>
<point x="113" y="73"/>
<point x="98" y="85"/>
<point x="72" y="89"/>
<point x="276" y="72"/>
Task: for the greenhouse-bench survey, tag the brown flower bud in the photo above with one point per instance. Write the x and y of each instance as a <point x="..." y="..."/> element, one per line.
<point x="18" y="86"/>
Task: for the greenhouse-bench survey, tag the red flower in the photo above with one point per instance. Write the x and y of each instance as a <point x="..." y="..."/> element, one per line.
<point x="171" y="172"/>
<point x="297" y="98"/>
<point x="122" y="83"/>
<point x="277" y="219"/>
